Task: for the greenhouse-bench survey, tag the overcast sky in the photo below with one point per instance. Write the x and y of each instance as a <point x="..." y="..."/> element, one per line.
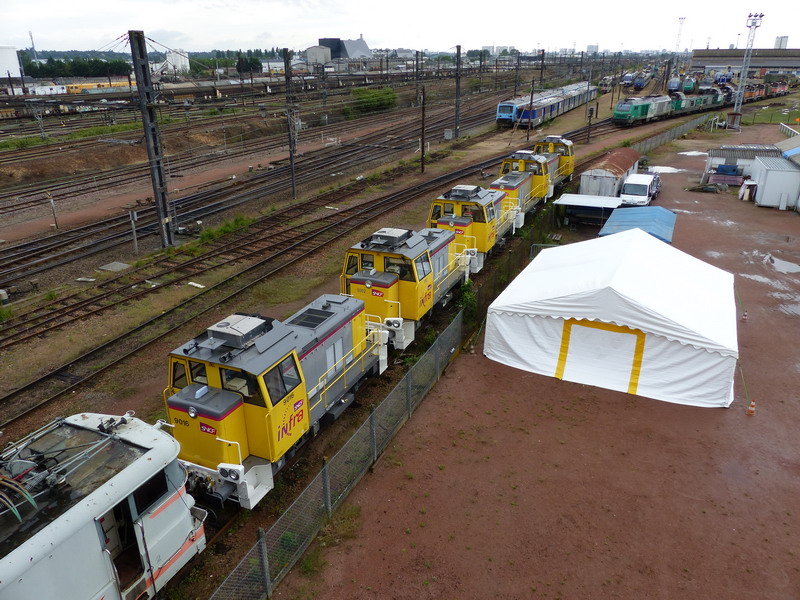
<point x="198" y="25"/>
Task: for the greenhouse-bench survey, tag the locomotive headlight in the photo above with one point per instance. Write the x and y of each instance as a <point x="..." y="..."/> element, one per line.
<point x="368" y="284"/>
<point x="192" y="412"/>
<point x="223" y="472"/>
<point x="233" y="475"/>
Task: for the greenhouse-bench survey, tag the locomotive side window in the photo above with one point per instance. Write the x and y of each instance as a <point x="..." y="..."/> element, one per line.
<point x="244" y="384"/>
<point x="151" y="491"/>
<point x="352" y="264"/>
<point x="198" y="371"/>
<point x="179" y="375"/>
<point x="423" y="266"/>
<point x="474" y="211"/>
<point x="282" y="379"/>
<point x="436" y="212"/>
<point x="490" y="212"/>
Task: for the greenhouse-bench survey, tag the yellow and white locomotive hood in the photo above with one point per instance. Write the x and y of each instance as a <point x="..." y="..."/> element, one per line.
<point x="627" y="312"/>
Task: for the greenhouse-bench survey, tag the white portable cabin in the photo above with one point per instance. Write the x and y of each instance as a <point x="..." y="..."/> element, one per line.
<point x="625" y="312"/>
<point x="106" y="517"/>
<point x="777" y="182"/>
<point x="606" y="176"/>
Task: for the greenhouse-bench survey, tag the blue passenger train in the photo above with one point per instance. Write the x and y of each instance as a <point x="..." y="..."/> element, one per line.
<point x="546" y="105"/>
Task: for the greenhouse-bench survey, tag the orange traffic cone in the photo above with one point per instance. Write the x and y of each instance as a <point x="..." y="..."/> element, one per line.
<point x="744" y="316"/>
<point x="751" y="410"/>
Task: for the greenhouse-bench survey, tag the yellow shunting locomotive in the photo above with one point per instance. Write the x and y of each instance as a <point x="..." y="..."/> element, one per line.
<point x="476" y="216"/>
<point x="400" y="274"/>
<point x="244" y="395"/>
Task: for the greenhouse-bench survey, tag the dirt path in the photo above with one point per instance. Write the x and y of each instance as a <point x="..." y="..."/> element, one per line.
<point x="511" y="485"/>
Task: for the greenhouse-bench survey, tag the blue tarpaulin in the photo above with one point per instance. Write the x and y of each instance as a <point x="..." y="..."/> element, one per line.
<point x="655" y="220"/>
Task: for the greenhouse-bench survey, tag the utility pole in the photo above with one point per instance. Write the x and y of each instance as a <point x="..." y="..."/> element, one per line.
<point x="753" y="23"/>
<point x="33" y="47"/>
<point x="290" y="117"/>
<point x="422" y="135"/>
<point x="416" y="75"/>
<point x="516" y="77"/>
<point x="530" y="111"/>
<point x="458" y="90"/>
<point x="541" y="71"/>
<point x="152" y="136"/>
<point x="680" y="29"/>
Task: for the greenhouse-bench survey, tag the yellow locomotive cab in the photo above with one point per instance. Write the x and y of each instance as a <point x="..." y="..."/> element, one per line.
<point x="238" y="399"/>
<point x="475" y="216"/>
<point x="400" y="274"/>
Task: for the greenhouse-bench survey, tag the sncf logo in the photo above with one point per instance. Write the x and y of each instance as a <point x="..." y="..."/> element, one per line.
<point x="377" y="293"/>
<point x="208" y="429"/>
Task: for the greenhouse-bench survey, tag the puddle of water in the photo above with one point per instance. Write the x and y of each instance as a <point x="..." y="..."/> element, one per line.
<point x="782" y="266"/>
<point x="685" y="212"/>
<point x="782" y="296"/>
<point x="714" y="254"/>
<point x="724" y="223"/>
<point x="793" y="310"/>
<point x="779" y="285"/>
<point x="666" y="170"/>
<point x="694" y="153"/>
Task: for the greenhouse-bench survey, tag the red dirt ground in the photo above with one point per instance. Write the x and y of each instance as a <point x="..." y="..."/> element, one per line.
<point x="507" y="484"/>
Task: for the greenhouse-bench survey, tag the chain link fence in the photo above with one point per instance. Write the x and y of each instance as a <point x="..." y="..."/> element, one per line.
<point x="281" y="547"/>
<point x="667" y="136"/>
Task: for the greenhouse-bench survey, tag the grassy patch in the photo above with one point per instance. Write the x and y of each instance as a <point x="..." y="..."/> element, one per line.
<point x="344" y="525"/>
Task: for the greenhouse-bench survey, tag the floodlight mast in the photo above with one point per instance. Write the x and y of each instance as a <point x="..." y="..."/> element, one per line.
<point x="753" y="23"/>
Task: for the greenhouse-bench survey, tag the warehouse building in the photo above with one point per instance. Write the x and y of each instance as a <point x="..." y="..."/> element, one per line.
<point x="762" y="62"/>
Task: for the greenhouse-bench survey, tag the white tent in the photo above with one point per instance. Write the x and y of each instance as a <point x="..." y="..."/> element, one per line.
<point x="625" y="312"/>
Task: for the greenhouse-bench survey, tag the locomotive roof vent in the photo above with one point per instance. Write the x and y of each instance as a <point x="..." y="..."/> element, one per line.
<point x="464" y="191"/>
<point x="236" y="331"/>
<point x="389" y="236"/>
<point x="312" y="317"/>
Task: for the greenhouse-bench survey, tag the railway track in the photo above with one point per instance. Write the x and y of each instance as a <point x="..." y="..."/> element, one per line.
<point x="25" y="260"/>
<point x="293" y="245"/>
<point x="25" y="197"/>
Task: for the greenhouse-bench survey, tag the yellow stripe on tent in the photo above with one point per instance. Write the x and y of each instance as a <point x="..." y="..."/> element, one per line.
<point x="638" y="353"/>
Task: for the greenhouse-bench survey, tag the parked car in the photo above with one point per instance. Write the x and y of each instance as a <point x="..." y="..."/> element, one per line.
<point x="640" y="189"/>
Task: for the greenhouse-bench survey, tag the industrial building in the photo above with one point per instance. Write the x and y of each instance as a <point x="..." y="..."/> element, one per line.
<point x="9" y="63"/>
<point x="762" y="62"/>
<point x="347" y="48"/>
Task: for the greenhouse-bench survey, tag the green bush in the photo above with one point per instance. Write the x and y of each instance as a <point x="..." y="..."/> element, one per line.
<point x="373" y="100"/>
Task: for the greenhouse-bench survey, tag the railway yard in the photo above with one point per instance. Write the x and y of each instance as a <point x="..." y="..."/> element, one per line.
<point x="91" y="323"/>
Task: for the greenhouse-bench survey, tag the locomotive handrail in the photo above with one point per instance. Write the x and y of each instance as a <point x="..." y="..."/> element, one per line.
<point x="238" y="446"/>
<point x="323" y="385"/>
<point x="113" y="569"/>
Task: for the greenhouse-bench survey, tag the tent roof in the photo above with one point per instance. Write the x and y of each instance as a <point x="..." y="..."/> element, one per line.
<point x="655" y="220"/>
<point x="587" y="200"/>
<point x="630" y="279"/>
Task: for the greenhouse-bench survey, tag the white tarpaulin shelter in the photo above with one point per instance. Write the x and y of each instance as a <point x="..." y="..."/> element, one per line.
<point x="625" y="312"/>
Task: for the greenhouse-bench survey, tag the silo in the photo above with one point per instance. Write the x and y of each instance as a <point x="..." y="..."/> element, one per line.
<point x="9" y="62"/>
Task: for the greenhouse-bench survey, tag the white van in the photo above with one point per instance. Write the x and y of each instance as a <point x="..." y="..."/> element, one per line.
<point x="639" y="190"/>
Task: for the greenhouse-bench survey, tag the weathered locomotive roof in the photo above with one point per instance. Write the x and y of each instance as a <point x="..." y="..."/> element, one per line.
<point x="272" y="339"/>
<point x="66" y="467"/>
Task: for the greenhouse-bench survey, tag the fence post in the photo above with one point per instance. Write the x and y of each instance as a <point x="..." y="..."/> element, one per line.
<point x="264" y="561"/>
<point x="436" y="349"/>
<point x="408" y="391"/>
<point x="326" y="487"/>
<point x="373" y="437"/>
